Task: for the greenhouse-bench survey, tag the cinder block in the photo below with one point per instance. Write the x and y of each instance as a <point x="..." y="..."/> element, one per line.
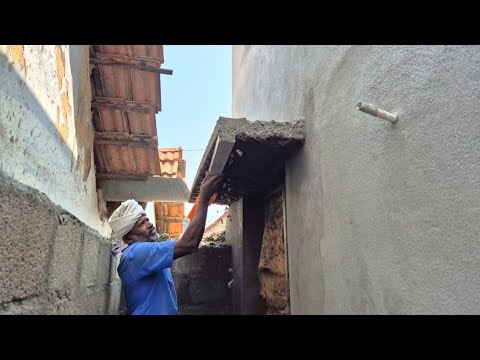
<point x="90" y="260"/>
<point x="105" y="261"/>
<point x="207" y="291"/>
<point x="65" y="306"/>
<point x="113" y="304"/>
<point x="96" y="303"/>
<point x="182" y="285"/>
<point x="66" y="261"/>
<point x="209" y="260"/>
<point x="32" y="306"/>
<point x="27" y="225"/>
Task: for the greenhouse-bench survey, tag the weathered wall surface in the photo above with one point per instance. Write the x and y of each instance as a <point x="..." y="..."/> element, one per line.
<point x="51" y="263"/>
<point x="234" y="237"/>
<point x="381" y="218"/>
<point x="244" y="231"/>
<point x="272" y="267"/>
<point x="201" y="281"/>
<point x="46" y="132"/>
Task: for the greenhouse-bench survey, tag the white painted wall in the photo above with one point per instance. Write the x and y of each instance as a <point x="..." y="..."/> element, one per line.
<point x="46" y="132"/>
<point x="381" y="219"/>
<point x="150" y="211"/>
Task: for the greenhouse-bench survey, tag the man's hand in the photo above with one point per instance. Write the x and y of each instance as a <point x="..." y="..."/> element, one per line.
<point x="210" y="185"/>
<point x="190" y="240"/>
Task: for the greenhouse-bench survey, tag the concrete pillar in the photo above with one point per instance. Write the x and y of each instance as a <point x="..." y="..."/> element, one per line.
<point x="244" y="231"/>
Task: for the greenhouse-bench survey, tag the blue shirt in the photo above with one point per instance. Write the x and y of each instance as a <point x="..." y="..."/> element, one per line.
<point x="146" y="279"/>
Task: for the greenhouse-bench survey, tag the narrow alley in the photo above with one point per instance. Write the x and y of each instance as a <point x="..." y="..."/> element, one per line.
<point x="349" y="182"/>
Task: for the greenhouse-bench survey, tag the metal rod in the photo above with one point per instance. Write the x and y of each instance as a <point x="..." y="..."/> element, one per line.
<point x="375" y="111"/>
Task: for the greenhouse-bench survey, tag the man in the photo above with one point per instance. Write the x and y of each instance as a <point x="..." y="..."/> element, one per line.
<point x="145" y="263"/>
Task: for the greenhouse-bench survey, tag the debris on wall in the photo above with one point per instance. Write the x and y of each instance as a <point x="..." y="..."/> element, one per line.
<point x="216" y="239"/>
<point x="272" y="265"/>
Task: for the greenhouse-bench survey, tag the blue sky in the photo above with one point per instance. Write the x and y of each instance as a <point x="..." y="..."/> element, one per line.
<point x="193" y="98"/>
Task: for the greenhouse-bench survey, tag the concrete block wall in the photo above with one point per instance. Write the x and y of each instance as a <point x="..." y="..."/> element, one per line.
<point x="201" y="281"/>
<point x="46" y="129"/>
<point x="50" y="262"/>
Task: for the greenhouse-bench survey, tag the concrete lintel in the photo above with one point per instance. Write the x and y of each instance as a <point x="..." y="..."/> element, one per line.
<point x="250" y="155"/>
<point x="154" y="188"/>
<point x="221" y="153"/>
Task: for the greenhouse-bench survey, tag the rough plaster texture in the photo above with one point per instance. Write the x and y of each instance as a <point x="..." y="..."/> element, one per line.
<point x="90" y="257"/>
<point x="50" y="262"/>
<point x="115" y="284"/>
<point x="64" y="274"/>
<point x="46" y="132"/>
<point x="103" y="260"/>
<point x="113" y="306"/>
<point x="234" y="236"/>
<point x="201" y="281"/>
<point x="272" y="267"/>
<point x="381" y="218"/>
<point x="24" y="245"/>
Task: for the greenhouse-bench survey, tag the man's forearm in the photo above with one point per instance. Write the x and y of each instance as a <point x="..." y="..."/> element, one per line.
<point x="193" y="234"/>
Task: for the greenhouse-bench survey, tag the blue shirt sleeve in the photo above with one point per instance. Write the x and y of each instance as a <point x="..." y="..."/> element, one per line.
<point x="151" y="257"/>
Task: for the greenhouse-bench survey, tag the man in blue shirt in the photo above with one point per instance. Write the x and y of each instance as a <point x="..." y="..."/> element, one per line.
<point x="145" y="265"/>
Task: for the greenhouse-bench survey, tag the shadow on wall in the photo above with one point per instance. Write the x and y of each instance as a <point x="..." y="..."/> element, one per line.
<point x="31" y="134"/>
<point x="81" y="99"/>
<point x="15" y="88"/>
<point x="73" y="106"/>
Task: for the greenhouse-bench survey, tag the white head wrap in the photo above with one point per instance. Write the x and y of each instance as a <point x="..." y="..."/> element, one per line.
<point x="124" y="218"/>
